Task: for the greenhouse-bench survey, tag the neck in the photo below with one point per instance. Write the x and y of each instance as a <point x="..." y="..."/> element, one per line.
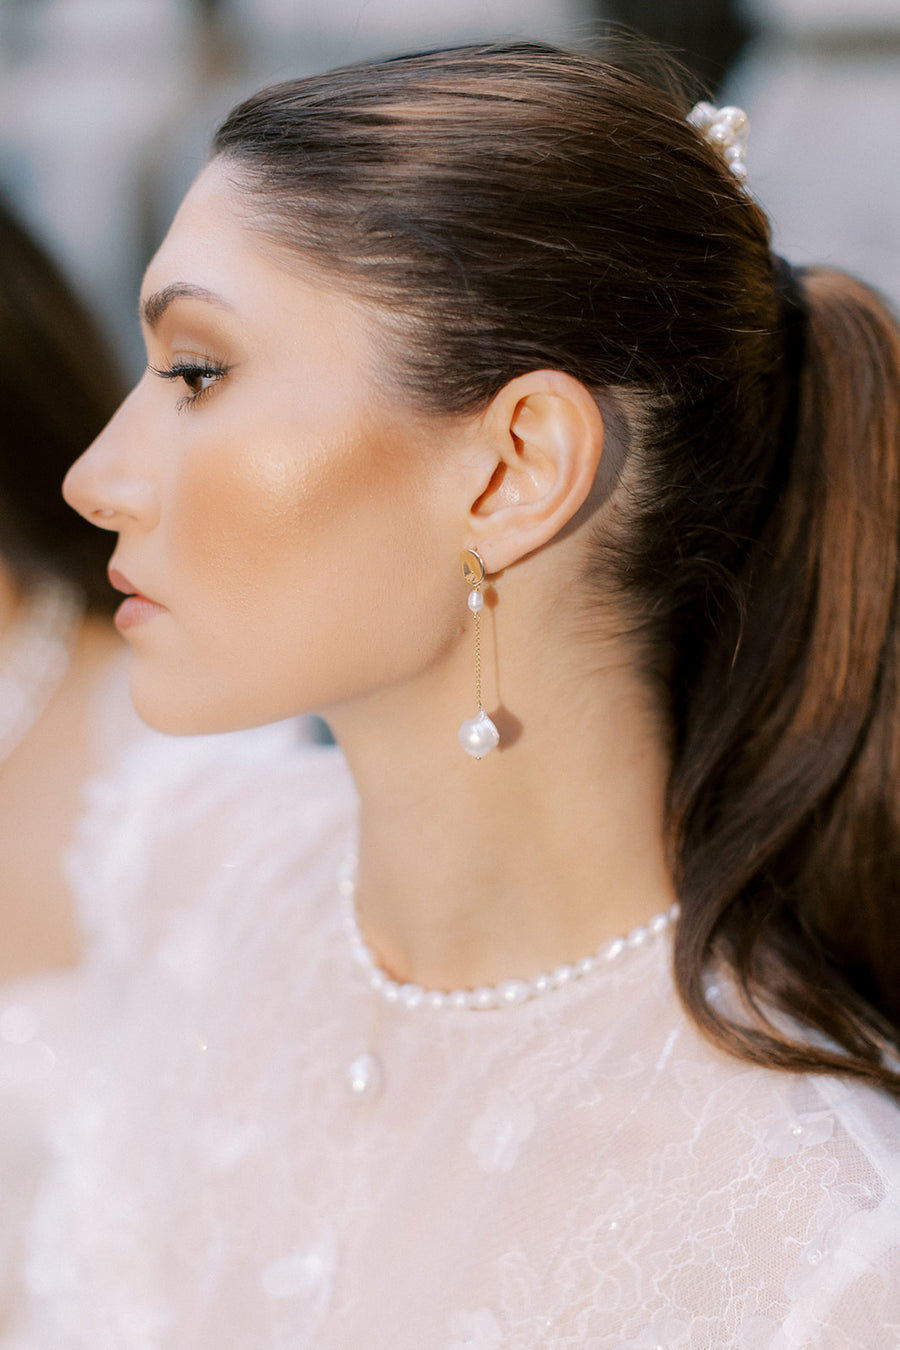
<point x="475" y="871"/>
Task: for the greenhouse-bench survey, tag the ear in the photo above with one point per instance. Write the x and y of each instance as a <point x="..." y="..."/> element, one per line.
<point x="543" y="438"/>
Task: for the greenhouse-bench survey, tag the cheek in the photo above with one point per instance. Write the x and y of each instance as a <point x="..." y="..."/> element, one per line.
<point x="322" y="527"/>
<point x="249" y="522"/>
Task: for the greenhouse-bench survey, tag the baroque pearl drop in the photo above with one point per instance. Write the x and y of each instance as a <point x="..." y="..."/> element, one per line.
<point x="475" y="601"/>
<point x="478" y="736"/>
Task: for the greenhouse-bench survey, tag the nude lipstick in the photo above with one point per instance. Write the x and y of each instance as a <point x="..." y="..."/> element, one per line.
<point x="136" y="608"/>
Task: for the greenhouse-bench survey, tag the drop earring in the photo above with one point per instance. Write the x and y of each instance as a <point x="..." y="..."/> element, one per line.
<point x="478" y="736"/>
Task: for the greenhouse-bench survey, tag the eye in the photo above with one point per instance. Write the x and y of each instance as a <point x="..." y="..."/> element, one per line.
<point x="199" y="377"/>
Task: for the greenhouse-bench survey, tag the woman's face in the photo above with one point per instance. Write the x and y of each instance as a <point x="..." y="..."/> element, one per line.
<point x="290" y="523"/>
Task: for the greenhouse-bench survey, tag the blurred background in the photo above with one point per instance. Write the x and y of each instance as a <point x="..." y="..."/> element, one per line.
<point x="106" y="107"/>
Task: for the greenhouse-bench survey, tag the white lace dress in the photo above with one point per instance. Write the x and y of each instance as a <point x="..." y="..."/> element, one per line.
<point x="581" y="1170"/>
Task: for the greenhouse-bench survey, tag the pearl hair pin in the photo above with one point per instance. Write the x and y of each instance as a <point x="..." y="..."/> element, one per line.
<point x="725" y="129"/>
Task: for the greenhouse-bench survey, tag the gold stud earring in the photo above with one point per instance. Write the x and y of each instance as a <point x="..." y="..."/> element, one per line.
<point x="478" y="736"/>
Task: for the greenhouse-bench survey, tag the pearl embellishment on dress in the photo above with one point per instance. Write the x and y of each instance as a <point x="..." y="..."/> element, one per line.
<point x="365" y="1076"/>
<point x="506" y="994"/>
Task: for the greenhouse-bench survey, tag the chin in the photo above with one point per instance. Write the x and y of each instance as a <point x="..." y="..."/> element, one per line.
<point x="180" y="714"/>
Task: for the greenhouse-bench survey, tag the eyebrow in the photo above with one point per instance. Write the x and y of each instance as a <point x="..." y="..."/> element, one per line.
<point x="154" y="307"/>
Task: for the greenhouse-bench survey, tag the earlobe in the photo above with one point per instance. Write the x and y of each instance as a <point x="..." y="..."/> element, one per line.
<point x="546" y="433"/>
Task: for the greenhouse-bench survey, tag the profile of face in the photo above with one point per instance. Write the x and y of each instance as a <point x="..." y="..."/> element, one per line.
<point x="282" y="513"/>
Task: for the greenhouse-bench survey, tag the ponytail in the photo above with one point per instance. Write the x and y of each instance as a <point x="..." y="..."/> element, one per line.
<point x="786" y="787"/>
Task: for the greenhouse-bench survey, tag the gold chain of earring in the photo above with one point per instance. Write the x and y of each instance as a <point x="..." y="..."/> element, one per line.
<point x="478" y="735"/>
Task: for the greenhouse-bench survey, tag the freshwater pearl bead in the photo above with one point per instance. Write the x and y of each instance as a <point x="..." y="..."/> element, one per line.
<point x="512" y="991"/>
<point x="475" y="601"/>
<point x="411" y="995"/>
<point x="478" y="736"/>
<point x="736" y="119"/>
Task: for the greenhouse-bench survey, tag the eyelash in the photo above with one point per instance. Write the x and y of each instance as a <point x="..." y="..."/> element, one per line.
<point x="190" y="370"/>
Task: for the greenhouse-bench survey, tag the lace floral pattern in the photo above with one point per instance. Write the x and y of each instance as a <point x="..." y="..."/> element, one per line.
<point x="579" y="1171"/>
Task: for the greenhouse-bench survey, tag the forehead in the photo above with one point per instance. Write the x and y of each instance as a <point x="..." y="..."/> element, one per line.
<point x="213" y="261"/>
<point x="208" y="231"/>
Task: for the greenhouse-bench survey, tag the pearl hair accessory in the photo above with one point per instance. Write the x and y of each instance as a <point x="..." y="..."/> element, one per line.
<point x="506" y="993"/>
<point x="726" y="130"/>
<point x="478" y="735"/>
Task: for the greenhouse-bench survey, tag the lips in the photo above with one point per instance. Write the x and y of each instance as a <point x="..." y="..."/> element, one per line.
<point x="136" y="608"/>
<point x="121" y="583"/>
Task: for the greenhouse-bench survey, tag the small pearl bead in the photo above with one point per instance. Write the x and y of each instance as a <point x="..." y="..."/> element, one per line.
<point x="561" y="975"/>
<point x="482" y="998"/>
<point x="512" y="991"/>
<point x="475" y="601"/>
<point x="411" y="995"/>
<point x="735" y="118"/>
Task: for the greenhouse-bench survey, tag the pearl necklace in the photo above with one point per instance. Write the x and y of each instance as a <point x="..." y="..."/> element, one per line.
<point x="34" y="657"/>
<point x="505" y="994"/>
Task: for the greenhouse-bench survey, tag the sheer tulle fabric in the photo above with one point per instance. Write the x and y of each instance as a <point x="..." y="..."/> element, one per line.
<point x="46" y="1023"/>
<point x="579" y="1171"/>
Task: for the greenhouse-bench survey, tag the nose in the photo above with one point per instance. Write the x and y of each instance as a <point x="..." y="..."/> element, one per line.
<point x="110" y="485"/>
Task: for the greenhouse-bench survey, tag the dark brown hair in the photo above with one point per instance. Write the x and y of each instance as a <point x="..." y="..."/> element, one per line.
<point x="516" y="207"/>
<point x="58" y="388"/>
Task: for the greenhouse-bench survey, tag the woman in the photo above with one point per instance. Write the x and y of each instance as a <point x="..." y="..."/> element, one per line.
<point x="64" y="716"/>
<point x="58" y="386"/>
<point x="509" y="304"/>
<point x="62" y="706"/>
